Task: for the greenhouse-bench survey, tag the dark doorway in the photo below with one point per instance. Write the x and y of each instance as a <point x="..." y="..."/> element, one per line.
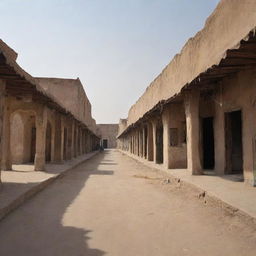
<point x="159" y="144"/>
<point x="105" y="143"/>
<point x="208" y="143"/>
<point x="234" y="148"/>
<point x="33" y="145"/>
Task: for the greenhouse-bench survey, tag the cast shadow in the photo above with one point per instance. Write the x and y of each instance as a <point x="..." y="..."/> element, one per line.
<point x="38" y="228"/>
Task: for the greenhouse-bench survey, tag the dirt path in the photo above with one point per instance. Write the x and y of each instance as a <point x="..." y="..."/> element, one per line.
<point x="113" y="205"/>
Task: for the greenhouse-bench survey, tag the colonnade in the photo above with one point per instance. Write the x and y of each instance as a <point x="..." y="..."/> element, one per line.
<point x="33" y="132"/>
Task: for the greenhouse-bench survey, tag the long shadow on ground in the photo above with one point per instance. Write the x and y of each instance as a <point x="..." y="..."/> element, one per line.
<point x="37" y="229"/>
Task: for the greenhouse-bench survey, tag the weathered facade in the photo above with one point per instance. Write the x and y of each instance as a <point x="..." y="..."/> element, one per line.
<point x="108" y="133"/>
<point x="38" y="122"/>
<point x="200" y="112"/>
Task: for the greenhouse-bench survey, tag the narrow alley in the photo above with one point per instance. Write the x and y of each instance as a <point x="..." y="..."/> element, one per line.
<point x="114" y="205"/>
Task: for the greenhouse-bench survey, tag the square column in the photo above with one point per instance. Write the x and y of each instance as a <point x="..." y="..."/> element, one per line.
<point x="219" y="135"/>
<point x="81" y="141"/>
<point x="166" y="136"/>
<point x="193" y="131"/>
<point x="41" y="122"/>
<point x="6" y="161"/>
<point x="249" y="144"/>
<point x="58" y="156"/>
<point x="150" y="149"/>
<point x="73" y="139"/>
<point x="143" y="142"/>
<point x="154" y="123"/>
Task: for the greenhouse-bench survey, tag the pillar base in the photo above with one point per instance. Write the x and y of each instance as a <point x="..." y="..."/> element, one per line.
<point x="39" y="164"/>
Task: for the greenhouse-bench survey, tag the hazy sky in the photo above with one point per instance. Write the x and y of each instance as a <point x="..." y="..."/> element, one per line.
<point x="116" y="47"/>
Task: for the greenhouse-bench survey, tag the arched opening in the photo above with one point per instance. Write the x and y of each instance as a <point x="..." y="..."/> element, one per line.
<point x="48" y="142"/>
<point x="17" y="138"/>
<point x="23" y="137"/>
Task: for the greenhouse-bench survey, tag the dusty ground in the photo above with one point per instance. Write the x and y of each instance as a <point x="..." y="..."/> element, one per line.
<point x="113" y="205"/>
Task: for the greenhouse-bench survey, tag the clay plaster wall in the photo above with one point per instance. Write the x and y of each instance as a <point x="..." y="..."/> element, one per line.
<point x="17" y="138"/>
<point x="230" y="22"/>
<point x="71" y="94"/>
<point x="109" y="132"/>
<point x="237" y="93"/>
<point x="177" y="154"/>
<point x="122" y="125"/>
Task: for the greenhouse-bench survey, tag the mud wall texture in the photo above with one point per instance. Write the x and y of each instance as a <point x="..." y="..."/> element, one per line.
<point x="231" y="21"/>
<point x="71" y="94"/>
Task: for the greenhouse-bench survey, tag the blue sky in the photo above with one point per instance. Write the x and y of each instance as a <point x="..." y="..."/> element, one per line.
<point x="116" y="47"/>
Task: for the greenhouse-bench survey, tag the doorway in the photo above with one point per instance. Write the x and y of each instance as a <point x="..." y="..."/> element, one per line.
<point x="105" y="143"/>
<point x="234" y="146"/>
<point x="159" y="144"/>
<point x="208" y="143"/>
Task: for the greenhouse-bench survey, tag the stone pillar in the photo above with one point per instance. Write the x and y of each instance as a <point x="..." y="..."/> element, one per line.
<point x="143" y="142"/>
<point x="69" y="140"/>
<point x="150" y="150"/>
<point x="73" y="139"/>
<point x="81" y="141"/>
<point x="249" y="143"/>
<point x="166" y="136"/>
<point x="78" y="141"/>
<point x="41" y="123"/>
<point x="219" y="138"/>
<point x="6" y="163"/>
<point x="138" y="142"/>
<point x="53" y="142"/>
<point x="154" y="124"/>
<point x="86" y="141"/>
<point x="58" y="156"/>
<point x="193" y="131"/>
<point x="63" y="143"/>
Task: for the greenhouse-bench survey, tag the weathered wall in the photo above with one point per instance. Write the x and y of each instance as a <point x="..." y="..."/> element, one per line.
<point x="177" y="155"/>
<point x="237" y="93"/>
<point x="229" y="23"/>
<point x="71" y="94"/>
<point x="109" y="132"/>
<point x="122" y="125"/>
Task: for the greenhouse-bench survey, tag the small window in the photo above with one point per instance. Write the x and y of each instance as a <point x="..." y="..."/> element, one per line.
<point x="174" y="140"/>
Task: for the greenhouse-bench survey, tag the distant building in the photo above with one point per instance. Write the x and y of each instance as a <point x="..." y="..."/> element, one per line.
<point x="108" y="133"/>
